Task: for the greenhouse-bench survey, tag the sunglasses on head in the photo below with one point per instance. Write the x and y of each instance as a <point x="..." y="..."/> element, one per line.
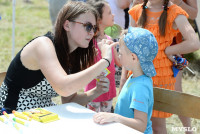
<point x="88" y="27"/>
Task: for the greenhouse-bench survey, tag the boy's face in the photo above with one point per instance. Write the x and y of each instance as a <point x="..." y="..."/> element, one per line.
<point x="125" y="56"/>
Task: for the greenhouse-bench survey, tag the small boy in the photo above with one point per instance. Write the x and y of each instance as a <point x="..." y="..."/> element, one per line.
<point x="137" y="49"/>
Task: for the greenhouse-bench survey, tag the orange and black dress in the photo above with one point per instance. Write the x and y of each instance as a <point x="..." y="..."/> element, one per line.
<point x="163" y="65"/>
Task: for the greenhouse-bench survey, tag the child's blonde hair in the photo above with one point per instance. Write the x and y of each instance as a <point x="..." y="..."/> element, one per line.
<point x="124" y="32"/>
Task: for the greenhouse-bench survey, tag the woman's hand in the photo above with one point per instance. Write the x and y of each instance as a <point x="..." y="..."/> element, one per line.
<point x="105" y="47"/>
<point x="103" y="84"/>
<point x="103" y="117"/>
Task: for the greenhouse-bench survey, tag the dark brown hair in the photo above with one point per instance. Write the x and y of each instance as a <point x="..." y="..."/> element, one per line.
<point x="80" y="58"/>
<point x="98" y="5"/>
<point x="162" y="20"/>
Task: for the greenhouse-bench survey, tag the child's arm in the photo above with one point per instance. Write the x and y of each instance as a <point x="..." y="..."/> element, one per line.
<point x="191" y="42"/>
<point x="83" y="98"/>
<point x="190" y="7"/>
<point x="139" y="122"/>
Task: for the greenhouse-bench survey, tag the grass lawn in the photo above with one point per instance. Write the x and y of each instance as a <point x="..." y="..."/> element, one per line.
<point x="33" y="20"/>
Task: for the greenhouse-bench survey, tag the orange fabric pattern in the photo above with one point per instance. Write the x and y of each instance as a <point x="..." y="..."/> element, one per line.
<point x="163" y="65"/>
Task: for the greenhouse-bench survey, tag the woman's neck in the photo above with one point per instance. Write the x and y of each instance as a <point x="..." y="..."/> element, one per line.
<point x="72" y="44"/>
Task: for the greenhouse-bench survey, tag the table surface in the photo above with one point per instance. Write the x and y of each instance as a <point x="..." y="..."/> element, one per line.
<point x="74" y="118"/>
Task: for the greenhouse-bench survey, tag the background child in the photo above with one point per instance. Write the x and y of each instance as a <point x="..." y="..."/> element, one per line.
<point x="106" y="18"/>
<point x="165" y="20"/>
<point x="134" y="107"/>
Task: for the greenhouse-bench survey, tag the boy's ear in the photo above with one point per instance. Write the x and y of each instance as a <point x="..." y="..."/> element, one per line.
<point x="66" y="25"/>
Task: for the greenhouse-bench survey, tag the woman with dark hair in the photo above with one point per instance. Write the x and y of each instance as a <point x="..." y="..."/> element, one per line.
<point x="55" y="64"/>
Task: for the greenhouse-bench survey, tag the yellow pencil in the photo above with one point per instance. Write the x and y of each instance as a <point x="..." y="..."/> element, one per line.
<point x="20" y="121"/>
<point x="20" y="115"/>
<point x="3" y="120"/>
<point x="4" y="113"/>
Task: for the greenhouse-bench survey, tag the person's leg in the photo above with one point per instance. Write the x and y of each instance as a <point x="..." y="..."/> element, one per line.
<point x="178" y="87"/>
<point x="106" y="106"/>
<point x="159" y="125"/>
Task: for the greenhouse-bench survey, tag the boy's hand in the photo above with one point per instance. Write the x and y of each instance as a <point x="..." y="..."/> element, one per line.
<point x="104" y="117"/>
<point x="103" y="84"/>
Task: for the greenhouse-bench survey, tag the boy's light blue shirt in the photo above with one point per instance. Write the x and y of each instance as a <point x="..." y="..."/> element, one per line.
<point x="137" y="93"/>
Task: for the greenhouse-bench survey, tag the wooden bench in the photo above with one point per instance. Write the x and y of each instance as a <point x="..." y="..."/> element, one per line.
<point x="177" y="103"/>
